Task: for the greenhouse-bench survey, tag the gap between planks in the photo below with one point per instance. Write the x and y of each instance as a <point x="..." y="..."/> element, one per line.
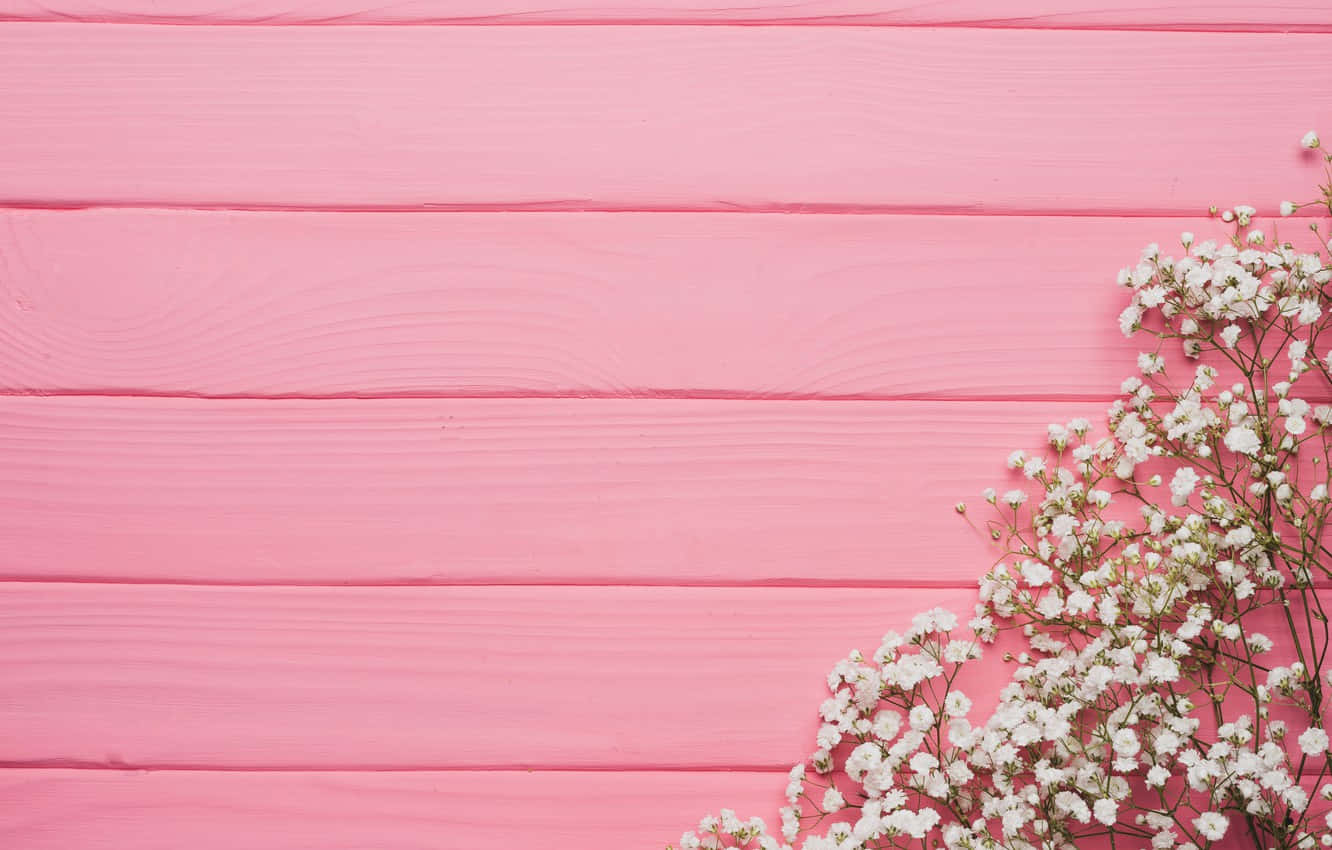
<point x="822" y="22"/>
<point x="93" y="767"/>
<point x="756" y="584"/>
<point x="630" y="395"/>
<point x="627" y="767"/>
<point x="574" y="206"/>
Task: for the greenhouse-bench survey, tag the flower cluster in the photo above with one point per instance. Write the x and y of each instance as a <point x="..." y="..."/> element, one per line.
<point x="1156" y="604"/>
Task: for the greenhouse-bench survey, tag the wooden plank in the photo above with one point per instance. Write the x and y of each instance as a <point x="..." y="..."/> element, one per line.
<point x="1135" y="14"/>
<point x="167" y="810"/>
<point x="698" y="117"/>
<point x="502" y="490"/>
<point x="602" y="304"/>
<point x="421" y="677"/>
<point x="111" y="810"/>
<point x="424" y="678"/>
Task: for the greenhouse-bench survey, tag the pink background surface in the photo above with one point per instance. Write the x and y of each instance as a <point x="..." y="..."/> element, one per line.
<point x="441" y="424"/>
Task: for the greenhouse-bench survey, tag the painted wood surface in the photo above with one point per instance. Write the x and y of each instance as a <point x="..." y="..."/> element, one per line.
<point x="351" y="811"/>
<point x="423" y="678"/>
<point x="1245" y="15"/>
<point x="203" y="810"/>
<point x="504" y="490"/>
<point x="716" y="118"/>
<point x="554" y="546"/>
<point x="429" y="678"/>
<point x="600" y="304"/>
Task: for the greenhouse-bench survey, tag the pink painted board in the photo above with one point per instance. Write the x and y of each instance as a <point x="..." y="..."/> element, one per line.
<point x="425" y="678"/>
<point x="715" y="118"/>
<point x="226" y="303"/>
<point x="429" y="677"/>
<point x="1134" y="14"/>
<point x="504" y="490"/>
<point x="461" y="810"/>
<point x="211" y="810"/>
<point x="206" y="810"/>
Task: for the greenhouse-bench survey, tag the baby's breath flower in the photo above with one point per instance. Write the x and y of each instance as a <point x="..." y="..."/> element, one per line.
<point x="1140" y="622"/>
<point x="833" y="801"/>
<point x="1313" y="742"/>
<point x="1243" y="440"/>
<point x="1310" y="140"/>
<point x="1211" y="825"/>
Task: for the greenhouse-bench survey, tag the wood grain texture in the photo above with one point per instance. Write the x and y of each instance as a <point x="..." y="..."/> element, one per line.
<point x="1134" y="14"/>
<point x="1012" y="13"/>
<point x="699" y="118"/>
<point x="419" y="677"/>
<point x="502" y="490"/>
<point x="597" y="304"/>
<point x="424" y="678"/>
<point x="167" y="810"/>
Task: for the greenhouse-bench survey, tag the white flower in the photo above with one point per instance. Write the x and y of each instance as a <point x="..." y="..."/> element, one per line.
<point x="1287" y="208"/>
<point x="1125" y="742"/>
<point x="920" y="718"/>
<point x="1057" y="435"/>
<point x="833" y="801"/>
<point x="1106" y="811"/>
<point x="1062" y="525"/>
<point x="1161" y="669"/>
<point x="1230" y="335"/>
<point x="1014" y="498"/>
<point x="956" y="704"/>
<point x="1035" y="573"/>
<point x="1243" y="440"/>
<point x="1211" y="825"/>
<point x="1182" y="484"/>
<point x="1313" y="741"/>
<point x="1310" y="140"/>
<point x="887" y="723"/>
<point x="1130" y="319"/>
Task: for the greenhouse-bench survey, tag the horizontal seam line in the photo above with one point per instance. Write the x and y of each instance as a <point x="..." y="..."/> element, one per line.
<point x="518" y="583"/>
<point x="832" y="22"/>
<point x="919" y="398"/>
<point x="662" y="395"/>
<point x="755" y="584"/>
<point x="52" y="764"/>
<point x="572" y="208"/>
<point x="501" y="767"/>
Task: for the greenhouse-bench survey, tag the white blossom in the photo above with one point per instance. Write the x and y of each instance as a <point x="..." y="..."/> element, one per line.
<point x="1211" y="825"/>
<point x="1243" y="439"/>
<point x="1313" y="741"/>
<point x="1182" y="484"/>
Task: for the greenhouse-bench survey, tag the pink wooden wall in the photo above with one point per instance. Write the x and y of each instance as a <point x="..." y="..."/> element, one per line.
<point x="452" y="423"/>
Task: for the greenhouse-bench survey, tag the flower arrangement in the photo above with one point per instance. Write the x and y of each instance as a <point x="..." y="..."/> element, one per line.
<point x="1165" y="684"/>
